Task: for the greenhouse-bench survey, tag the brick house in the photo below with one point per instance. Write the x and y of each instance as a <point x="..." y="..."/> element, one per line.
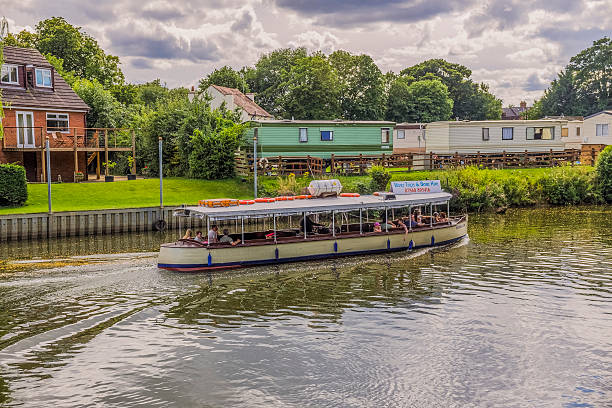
<point x="515" y="112"/>
<point x="38" y="103"/>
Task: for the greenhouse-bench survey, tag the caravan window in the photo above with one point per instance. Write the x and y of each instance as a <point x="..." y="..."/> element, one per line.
<point x="401" y="134"/>
<point x="601" y="129"/>
<point x="303" y="135"/>
<point x="384" y="135"/>
<point x="507" y="133"/>
<point x="485" y="134"/>
<point x="327" y="135"/>
<point x="540" y="133"/>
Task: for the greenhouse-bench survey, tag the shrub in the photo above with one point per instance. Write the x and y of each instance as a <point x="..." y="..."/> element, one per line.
<point x="380" y="178"/>
<point x="603" y="169"/>
<point x="288" y="185"/>
<point x="212" y="155"/>
<point x="13" y="185"/>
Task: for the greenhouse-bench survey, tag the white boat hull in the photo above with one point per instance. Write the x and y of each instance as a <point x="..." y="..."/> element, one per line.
<point x="195" y="258"/>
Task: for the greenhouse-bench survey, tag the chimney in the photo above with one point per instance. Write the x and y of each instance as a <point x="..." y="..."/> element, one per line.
<point x="523" y="105"/>
<point x="251" y="96"/>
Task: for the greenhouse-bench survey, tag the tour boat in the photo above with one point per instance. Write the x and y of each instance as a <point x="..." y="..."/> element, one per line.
<point x="290" y="244"/>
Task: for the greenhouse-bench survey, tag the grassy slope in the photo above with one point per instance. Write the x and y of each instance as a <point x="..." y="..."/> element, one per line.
<point x="128" y="194"/>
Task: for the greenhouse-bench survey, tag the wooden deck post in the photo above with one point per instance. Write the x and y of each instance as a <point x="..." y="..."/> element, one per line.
<point x="133" y="152"/>
<point x="76" y="155"/>
<point x="333" y="164"/>
<point x="44" y="161"/>
<point x="98" y="165"/>
<point x="551" y="158"/>
<point x="360" y="163"/>
<point x="430" y="160"/>
<point x="106" y="152"/>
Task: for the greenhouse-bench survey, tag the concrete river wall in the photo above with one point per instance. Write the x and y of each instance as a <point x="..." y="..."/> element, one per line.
<point x="16" y="227"/>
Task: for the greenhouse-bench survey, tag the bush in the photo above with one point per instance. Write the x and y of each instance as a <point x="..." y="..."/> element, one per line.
<point x="380" y="178"/>
<point x="13" y="185"/>
<point x="212" y="155"/>
<point x="603" y="169"/>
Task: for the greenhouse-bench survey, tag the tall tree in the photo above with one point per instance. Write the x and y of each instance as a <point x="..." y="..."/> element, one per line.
<point x="361" y="86"/>
<point x="563" y="97"/>
<point x="423" y="101"/>
<point x="312" y="90"/>
<point x="224" y="76"/>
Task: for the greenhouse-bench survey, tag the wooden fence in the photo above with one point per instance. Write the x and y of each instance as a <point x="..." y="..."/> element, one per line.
<point x="351" y="165"/>
<point x="279" y="165"/>
<point x="503" y="159"/>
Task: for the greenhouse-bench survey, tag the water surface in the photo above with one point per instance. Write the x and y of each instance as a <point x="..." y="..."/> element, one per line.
<point x="518" y="315"/>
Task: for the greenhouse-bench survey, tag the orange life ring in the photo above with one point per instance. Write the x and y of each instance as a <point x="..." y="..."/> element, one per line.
<point x="260" y="200"/>
<point x="247" y="202"/>
<point x="376" y="193"/>
<point x="281" y="198"/>
<point x="290" y="198"/>
<point x="308" y="196"/>
<point x="301" y="197"/>
<point x="349" y="195"/>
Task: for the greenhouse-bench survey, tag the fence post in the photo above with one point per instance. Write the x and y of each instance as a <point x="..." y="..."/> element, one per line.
<point x="360" y="163"/>
<point x="551" y="158"/>
<point x="333" y="164"/>
<point x="430" y="160"/>
<point x="279" y="165"/>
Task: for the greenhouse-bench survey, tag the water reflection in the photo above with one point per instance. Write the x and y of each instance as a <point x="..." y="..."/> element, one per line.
<point x="519" y="315"/>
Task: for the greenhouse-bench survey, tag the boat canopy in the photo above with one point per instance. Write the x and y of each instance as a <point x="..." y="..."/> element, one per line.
<point x="316" y="205"/>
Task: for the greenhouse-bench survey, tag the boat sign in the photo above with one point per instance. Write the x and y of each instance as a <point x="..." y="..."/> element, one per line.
<point x="416" y="187"/>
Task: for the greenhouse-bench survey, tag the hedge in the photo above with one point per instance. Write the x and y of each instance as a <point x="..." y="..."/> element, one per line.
<point x="13" y="185"/>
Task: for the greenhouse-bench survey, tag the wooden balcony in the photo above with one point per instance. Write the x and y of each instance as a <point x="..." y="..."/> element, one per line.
<point x="68" y="139"/>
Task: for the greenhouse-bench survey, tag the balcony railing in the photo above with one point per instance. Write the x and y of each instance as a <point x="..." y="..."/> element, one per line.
<point x="16" y="137"/>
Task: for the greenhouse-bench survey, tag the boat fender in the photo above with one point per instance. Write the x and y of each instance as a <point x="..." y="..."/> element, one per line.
<point x="349" y="194"/>
<point x="301" y="197"/>
<point x="247" y="202"/>
<point x="276" y="253"/>
<point x="290" y="198"/>
<point x="209" y="259"/>
<point x="281" y="198"/>
<point x="411" y="244"/>
<point x="160" y="225"/>
<point x="388" y="243"/>
<point x="433" y="241"/>
<point x="265" y="200"/>
<point x="335" y="247"/>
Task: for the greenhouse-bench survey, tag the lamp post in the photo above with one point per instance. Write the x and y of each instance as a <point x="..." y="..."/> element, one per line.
<point x="161" y="176"/>
<point x="48" y="155"/>
<point x="255" y="133"/>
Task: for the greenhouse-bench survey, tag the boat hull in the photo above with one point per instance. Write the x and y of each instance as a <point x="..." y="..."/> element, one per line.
<point x="195" y="259"/>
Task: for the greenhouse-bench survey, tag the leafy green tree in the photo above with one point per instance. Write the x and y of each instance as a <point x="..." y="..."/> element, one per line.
<point x="23" y="39"/>
<point x="127" y="94"/>
<point x="535" y="112"/>
<point x="470" y="100"/>
<point x="420" y="101"/>
<point x="225" y="76"/>
<point x="603" y="168"/>
<point x="1" y="110"/>
<point x="312" y="90"/>
<point x="212" y="156"/>
<point x="104" y="110"/>
<point x="361" y="86"/>
<point x="152" y="92"/>
<point x="563" y="97"/>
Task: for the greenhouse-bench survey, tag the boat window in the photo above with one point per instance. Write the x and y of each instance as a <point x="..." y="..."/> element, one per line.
<point x="401" y="134"/>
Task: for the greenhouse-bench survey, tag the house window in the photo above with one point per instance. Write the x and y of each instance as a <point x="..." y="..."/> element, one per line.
<point x="384" y="135"/>
<point x="564" y="132"/>
<point x="601" y="129"/>
<point x="57" y="122"/>
<point x="507" y="133"/>
<point x="43" y="77"/>
<point x="401" y="134"/>
<point x="327" y="135"/>
<point x="578" y="131"/>
<point x="303" y="135"/>
<point x="10" y="74"/>
<point x="540" y="133"/>
<point x="485" y="134"/>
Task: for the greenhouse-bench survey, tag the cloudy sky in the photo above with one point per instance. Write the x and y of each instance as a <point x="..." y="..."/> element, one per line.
<point x="516" y="46"/>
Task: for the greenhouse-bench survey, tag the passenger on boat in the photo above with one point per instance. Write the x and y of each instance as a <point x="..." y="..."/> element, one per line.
<point x="199" y="236"/>
<point x="400" y="223"/>
<point x="227" y="239"/>
<point x="212" y="234"/>
<point x="188" y="234"/>
<point x="309" y="225"/>
<point x="377" y="227"/>
<point x="443" y="217"/>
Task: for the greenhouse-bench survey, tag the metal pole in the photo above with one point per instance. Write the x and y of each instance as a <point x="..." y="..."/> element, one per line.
<point x="334" y="224"/>
<point x="242" y="229"/>
<point x="161" y="176"/>
<point x="386" y="221"/>
<point x="360" y="224"/>
<point x="207" y="230"/>
<point x="304" y="225"/>
<point x="255" y="133"/>
<point x="410" y="217"/>
<point x="274" y="217"/>
<point x="430" y="215"/>
<point x="448" y="209"/>
<point x="48" y="154"/>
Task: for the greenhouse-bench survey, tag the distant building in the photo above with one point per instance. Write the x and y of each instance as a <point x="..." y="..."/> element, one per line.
<point x="233" y="99"/>
<point x="598" y="128"/>
<point x="322" y="138"/>
<point x="409" y="138"/>
<point x="491" y="136"/>
<point x="513" y="112"/>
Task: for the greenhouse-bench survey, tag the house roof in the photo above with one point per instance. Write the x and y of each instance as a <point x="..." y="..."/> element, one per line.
<point x="243" y="101"/>
<point x="61" y="97"/>
<point x="409" y="125"/>
<point x="513" y="111"/>
<point x="323" y="122"/>
<point x="604" y="112"/>
<point x="562" y="117"/>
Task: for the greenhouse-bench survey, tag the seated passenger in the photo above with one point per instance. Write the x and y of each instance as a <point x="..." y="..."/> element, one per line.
<point x="443" y="217"/>
<point x="309" y="225"/>
<point x="377" y="227"/>
<point x="212" y="235"/>
<point x="188" y="234"/>
<point x="199" y="236"/>
<point x="226" y="239"/>
<point x="400" y="223"/>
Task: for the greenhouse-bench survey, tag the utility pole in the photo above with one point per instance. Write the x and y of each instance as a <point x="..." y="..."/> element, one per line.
<point x="161" y="176"/>
<point x="255" y="133"/>
<point x="48" y="154"/>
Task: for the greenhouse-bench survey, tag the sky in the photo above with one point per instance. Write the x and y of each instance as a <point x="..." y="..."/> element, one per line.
<point x="515" y="46"/>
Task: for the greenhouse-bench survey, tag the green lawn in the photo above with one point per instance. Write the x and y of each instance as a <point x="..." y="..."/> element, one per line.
<point x="128" y="194"/>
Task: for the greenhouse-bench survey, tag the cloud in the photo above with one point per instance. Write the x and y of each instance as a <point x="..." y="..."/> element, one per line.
<point x="141" y="63"/>
<point x="316" y="41"/>
<point x="244" y="23"/>
<point x="534" y="83"/>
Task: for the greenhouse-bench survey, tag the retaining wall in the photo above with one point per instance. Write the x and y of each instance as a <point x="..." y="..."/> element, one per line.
<point x="16" y="227"/>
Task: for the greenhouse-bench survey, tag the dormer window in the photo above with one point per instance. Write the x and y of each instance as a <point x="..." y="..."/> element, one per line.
<point x="43" y="77"/>
<point x="10" y="74"/>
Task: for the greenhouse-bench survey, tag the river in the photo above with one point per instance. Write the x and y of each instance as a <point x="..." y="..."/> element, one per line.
<point x="519" y="315"/>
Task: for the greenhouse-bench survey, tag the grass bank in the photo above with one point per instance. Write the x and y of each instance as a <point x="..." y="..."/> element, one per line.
<point x="127" y="194"/>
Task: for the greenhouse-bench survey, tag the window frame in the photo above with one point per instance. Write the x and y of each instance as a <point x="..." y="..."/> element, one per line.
<point x="565" y="132"/>
<point x="331" y="134"/>
<point x="384" y="131"/>
<point x="10" y="66"/>
<point x="42" y="70"/>
<point x="55" y="128"/>
<point x="403" y="133"/>
<point x="577" y="131"/>
<point x="552" y="132"/>
<point x="511" y="133"/>
<point x="488" y="132"/>
<point x="300" y="135"/>
<point x="599" y="127"/>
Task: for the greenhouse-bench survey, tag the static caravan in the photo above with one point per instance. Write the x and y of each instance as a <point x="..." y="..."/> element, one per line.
<point x="572" y="134"/>
<point x="598" y="128"/>
<point x="409" y="138"/>
<point x="321" y="138"/>
<point x="493" y="136"/>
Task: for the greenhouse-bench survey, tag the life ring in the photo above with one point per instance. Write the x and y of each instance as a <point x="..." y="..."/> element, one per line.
<point x="265" y="200"/>
<point x="301" y="197"/>
<point x="160" y="225"/>
<point x="290" y="198"/>
<point x="281" y="198"/>
<point x="247" y="202"/>
<point x="376" y="193"/>
<point x="349" y="195"/>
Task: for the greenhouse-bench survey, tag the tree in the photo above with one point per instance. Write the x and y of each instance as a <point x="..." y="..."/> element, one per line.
<point x="1" y="110"/>
<point x="312" y="90"/>
<point x="603" y="169"/>
<point x="104" y="110"/>
<point x="563" y="97"/>
<point x="361" y="86"/>
<point x="420" y="101"/>
<point x="23" y="39"/>
<point x="470" y="100"/>
<point x="225" y="76"/>
<point x="212" y="156"/>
